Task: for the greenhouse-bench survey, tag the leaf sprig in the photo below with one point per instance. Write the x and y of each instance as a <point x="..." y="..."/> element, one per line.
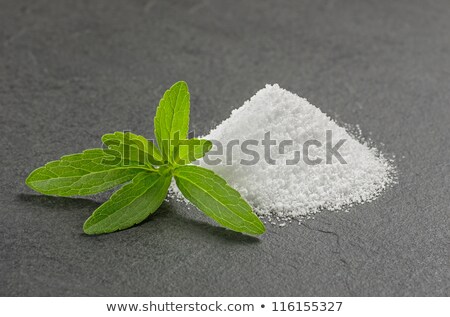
<point x="146" y="170"/>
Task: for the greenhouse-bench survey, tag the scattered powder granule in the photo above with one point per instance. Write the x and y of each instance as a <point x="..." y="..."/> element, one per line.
<point x="284" y="188"/>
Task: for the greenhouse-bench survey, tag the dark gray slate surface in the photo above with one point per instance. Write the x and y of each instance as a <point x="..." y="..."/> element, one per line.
<point x="72" y="71"/>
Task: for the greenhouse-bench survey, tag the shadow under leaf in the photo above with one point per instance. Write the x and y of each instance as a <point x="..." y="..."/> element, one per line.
<point x="178" y="221"/>
<point x="53" y="202"/>
<point x="164" y="216"/>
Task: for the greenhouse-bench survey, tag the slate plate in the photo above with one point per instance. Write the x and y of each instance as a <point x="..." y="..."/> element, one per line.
<point x="71" y="72"/>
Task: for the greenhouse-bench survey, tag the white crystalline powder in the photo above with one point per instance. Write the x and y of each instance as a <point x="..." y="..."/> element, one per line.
<point x="295" y="190"/>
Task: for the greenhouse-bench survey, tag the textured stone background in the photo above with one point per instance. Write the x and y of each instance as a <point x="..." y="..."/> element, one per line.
<point x="72" y="71"/>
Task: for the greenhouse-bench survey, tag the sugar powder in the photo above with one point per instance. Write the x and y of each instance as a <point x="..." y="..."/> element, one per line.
<point x="303" y="175"/>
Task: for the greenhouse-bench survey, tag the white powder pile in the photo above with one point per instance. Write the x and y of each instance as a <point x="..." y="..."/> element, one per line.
<point x="287" y="191"/>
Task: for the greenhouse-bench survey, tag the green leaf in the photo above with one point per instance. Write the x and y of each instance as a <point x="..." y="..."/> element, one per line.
<point x="211" y="194"/>
<point x="132" y="148"/>
<point x="131" y="204"/>
<point x="191" y="150"/>
<point x="90" y="172"/>
<point x="172" y="118"/>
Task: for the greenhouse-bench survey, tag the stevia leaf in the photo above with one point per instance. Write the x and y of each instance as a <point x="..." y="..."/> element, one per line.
<point x="191" y="150"/>
<point x="131" y="204"/>
<point x="132" y="148"/>
<point x="172" y="118"/>
<point x="212" y="195"/>
<point x="90" y="172"/>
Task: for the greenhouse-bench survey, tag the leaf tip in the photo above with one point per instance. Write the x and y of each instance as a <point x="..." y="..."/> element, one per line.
<point x="180" y="83"/>
<point x="208" y="146"/>
<point x="30" y="180"/>
<point x="87" y="227"/>
<point x="260" y="228"/>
